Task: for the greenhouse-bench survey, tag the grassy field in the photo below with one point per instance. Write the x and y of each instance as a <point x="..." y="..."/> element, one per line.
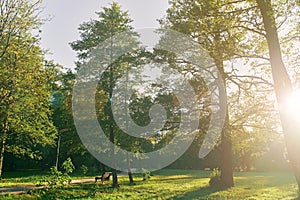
<point x="21" y="178"/>
<point x="29" y="178"/>
<point x="177" y="184"/>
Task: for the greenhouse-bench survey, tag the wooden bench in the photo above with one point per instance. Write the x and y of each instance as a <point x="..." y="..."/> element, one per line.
<point x="104" y="177"/>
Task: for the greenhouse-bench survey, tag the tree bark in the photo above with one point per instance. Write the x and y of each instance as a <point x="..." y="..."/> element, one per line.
<point x="112" y="148"/>
<point x="226" y="166"/>
<point x="129" y="170"/>
<point x="114" y="171"/>
<point x="2" y="151"/>
<point x="57" y="151"/>
<point x="111" y="124"/>
<point x="131" y="182"/>
<point x="3" y="140"/>
<point x="226" y="159"/>
<point x="282" y="85"/>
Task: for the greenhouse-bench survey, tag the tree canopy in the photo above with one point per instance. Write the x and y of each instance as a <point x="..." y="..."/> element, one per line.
<point x="25" y="82"/>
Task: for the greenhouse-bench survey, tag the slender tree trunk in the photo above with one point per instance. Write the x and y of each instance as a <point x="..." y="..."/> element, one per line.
<point x="2" y="151"/>
<point x="112" y="148"/>
<point x="3" y="142"/>
<point x="111" y="129"/>
<point x="57" y="151"/>
<point x="114" y="171"/>
<point x="131" y="182"/>
<point x="129" y="170"/>
<point x="283" y="86"/>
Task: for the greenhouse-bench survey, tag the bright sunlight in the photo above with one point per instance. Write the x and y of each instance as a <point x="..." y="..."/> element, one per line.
<point x="293" y="104"/>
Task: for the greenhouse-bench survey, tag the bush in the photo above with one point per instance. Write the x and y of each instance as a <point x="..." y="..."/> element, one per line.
<point x="57" y="178"/>
<point x="215" y="178"/>
<point x="83" y="169"/>
<point x="68" y="166"/>
<point x="146" y="175"/>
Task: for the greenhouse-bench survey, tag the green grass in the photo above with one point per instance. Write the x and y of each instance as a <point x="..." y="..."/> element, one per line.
<point x="178" y="184"/>
<point x="21" y="178"/>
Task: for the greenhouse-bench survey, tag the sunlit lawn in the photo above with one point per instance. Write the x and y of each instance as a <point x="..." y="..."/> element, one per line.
<point x="29" y="178"/>
<point x="20" y="178"/>
<point x="178" y="184"/>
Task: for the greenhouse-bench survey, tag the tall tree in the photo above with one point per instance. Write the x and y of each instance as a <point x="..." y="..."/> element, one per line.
<point x="282" y="85"/>
<point x="25" y="82"/>
<point x="111" y="21"/>
<point x="210" y="23"/>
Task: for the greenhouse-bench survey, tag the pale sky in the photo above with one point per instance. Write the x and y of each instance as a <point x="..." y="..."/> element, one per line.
<point x="67" y="15"/>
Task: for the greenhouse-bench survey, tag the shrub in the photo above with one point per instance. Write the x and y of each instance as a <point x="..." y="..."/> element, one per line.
<point x="83" y="169"/>
<point x="146" y="175"/>
<point x="215" y="178"/>
<point x="68" y="166"/>
<point x="57" y="178"/>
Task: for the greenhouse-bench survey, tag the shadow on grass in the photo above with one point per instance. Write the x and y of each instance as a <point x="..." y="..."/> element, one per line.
<point x="174" y="180"/>
<point x="181" y="176"/>
<point x="204" y="193"/>
<point x="201" y="193"/>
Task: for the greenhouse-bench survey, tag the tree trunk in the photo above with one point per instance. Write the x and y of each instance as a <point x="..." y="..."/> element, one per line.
<point x="57" y="151"/>
<point x="111" y="128"/>
<point x="112" y="139"/>
<point x="3" y="142"/>
<point x="2" y="151"/>
<point x="131" y="182"/>
<point x="112" y="148"/>
<point x="282" y="85"/>
<point x="115" y="178"/>
<point x="226" y="159"/>
<point x="226" y="165"/>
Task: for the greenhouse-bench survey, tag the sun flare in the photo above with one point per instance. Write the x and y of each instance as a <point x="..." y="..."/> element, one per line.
<point x="293" y="104"/>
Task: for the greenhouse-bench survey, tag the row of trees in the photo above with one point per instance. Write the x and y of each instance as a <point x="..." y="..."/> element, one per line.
<point x="35" y="125"/>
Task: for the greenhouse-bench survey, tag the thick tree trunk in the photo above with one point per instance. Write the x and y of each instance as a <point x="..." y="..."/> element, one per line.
<point x="226" y="162"/>
<point x="226" y="166"/>
<point x="283" y="86"/>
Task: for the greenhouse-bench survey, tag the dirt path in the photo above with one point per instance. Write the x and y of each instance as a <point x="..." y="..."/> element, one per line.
<point x="25" y="188"/>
